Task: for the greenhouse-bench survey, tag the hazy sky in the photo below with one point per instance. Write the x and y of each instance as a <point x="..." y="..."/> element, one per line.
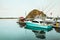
<point x="16" y="8"/>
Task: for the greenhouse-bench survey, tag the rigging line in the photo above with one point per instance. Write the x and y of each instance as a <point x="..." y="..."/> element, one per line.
<point x="48" y="6"/>
<point x="25" y="14"/>
<point x="50" y="9"/>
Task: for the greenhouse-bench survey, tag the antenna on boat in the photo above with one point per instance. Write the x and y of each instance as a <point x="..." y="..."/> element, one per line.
<point x="25" y="13"/>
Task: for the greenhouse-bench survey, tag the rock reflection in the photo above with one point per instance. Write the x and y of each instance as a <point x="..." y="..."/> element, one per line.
<point x="39" y="34"/>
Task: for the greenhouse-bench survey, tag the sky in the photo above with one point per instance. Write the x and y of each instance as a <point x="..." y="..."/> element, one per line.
<point x="17" y="8"/>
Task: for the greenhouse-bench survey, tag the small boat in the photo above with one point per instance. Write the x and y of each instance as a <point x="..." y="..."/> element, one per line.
<point x="38" y="25"/>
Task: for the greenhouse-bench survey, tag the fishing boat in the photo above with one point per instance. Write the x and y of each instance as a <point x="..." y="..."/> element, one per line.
<point x="38" y="24"/>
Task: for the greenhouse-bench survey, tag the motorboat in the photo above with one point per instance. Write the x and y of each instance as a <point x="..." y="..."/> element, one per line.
<point x="38" y="24"/>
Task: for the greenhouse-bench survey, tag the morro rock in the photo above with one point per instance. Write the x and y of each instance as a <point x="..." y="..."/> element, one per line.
<point x="34" y="13"/>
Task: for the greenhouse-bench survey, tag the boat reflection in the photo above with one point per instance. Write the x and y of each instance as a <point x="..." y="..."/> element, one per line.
<point x="42" y="34"/>
<point x="39" y="34"/>
<point x="57" y="29"/>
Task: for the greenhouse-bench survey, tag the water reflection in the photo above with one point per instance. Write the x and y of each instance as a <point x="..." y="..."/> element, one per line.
<point x="57" y="30"/>
<point x="43" y="35"/>
<point x="39" y="34"/>
<point x="21" y="24"/>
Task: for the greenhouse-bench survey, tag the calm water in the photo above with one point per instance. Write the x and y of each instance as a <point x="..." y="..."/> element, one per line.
<point x="10" y="30"/>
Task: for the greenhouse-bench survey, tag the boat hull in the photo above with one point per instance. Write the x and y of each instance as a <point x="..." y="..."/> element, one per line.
<point x="34" y="26"/>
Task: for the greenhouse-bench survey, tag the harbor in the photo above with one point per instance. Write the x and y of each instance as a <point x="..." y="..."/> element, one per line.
<point x="29" y="20"/>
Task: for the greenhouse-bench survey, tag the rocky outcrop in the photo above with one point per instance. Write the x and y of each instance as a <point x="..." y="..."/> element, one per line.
<point x="34" y="13"/>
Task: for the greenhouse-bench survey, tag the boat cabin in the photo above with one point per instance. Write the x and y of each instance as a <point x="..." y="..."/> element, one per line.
<point x="44" y="22"/>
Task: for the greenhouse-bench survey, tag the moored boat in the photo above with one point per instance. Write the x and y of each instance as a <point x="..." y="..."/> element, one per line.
<point x="38" y="25"/>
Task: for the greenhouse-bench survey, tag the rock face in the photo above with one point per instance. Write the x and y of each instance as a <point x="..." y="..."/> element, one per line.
<point x="34" y="13"/>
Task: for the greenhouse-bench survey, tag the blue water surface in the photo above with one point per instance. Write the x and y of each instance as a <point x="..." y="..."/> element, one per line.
<point x="10" y="30"/>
